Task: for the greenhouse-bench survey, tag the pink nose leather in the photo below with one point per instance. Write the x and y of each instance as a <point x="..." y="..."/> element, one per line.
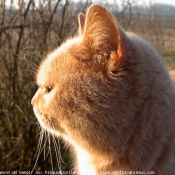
<point x="33" y="101"/>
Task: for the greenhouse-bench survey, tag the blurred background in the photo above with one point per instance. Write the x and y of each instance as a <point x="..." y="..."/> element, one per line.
<point x="29" y="29"/>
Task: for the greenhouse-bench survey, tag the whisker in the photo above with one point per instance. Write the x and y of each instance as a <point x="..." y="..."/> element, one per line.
<point x="34" y="82"/>
<point x="45" y="142"/>
<point x="57" y="152"/>
<point x="58" y="147"/>
<point x="28" y="61"/>
<point x="50" y="151"/>
<point x="38" y="149"/>
<point x="23" y="70"/>
<point x="35" y="56"/>
<point x="39" y="143"/>
<point x="61" y="156"/>
<point x="37" y="49"/>
<point x="44" y="147"/>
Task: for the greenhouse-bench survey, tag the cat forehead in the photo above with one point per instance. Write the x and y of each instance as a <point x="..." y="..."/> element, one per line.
<point x="55" y="61"/>
<point x="64" y="47"/>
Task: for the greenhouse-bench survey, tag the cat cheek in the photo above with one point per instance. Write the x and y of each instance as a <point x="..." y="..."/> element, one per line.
<point x="46" y="102"/>
<point x="48" y="98"/>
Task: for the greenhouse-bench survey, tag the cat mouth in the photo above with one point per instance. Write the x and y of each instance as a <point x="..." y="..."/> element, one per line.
<point x="42" y="118"/>
<point x="39" y="117"/>
<point x="48" y="123"/>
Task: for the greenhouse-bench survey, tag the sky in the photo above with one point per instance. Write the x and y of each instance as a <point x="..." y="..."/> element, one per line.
<point x="171" y="2"/>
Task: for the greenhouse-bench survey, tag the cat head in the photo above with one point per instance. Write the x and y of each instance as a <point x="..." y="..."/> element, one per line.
<point x="72" y="77"/>
<point x="87" y="92"/>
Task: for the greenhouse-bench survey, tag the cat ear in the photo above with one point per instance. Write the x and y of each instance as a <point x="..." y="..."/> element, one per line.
<point x="81" y="22"/>
<point x="101" y="33"/>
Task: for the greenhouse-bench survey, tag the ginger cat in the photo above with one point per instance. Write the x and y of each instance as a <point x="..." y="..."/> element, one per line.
<point x="108" y="94"/>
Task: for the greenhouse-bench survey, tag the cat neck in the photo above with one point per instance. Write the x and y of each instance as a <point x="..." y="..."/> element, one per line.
<point x="84" y="161"/>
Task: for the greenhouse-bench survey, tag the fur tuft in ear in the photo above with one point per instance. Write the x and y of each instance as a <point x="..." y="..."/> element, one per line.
<point x="117" y="56"/>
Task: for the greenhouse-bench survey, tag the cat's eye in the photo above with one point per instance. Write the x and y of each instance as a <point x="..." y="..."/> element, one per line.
<point x="48" y="89"/>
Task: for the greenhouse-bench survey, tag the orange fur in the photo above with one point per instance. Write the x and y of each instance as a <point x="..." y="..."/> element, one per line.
<point x="112" y="99"/>
<point x="117" y="56"/>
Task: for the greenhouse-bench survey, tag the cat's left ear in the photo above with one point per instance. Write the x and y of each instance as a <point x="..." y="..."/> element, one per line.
<point x="81" y="22"/>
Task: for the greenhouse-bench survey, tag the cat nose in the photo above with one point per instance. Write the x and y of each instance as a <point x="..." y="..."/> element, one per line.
<point x="34" y="99"/>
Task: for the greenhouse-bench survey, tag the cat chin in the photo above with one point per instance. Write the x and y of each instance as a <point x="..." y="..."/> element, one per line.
<point x="38" y="116"/>
<point x="43" y="124"/>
